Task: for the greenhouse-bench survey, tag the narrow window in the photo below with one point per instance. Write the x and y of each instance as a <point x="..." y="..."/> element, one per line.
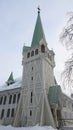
<point x="32" y="68"/>
<point x="10" y="99"/>
<point x="31" y="94"/>
<point x="14" y="98"/>
<point x="52" y="110"/>
<point x="72" y="106"/>
<point x="2" y="114"/>
<point x="4" y="100"/>
<point x="31" y="97"/>
<point x="8" y="112"/>
<point x="12" y="112"/>
<point x="28" y="54"/>
<point x="1" y="99"/>
<point x="18" y="97"/>
<point x="31" y="100"/>
<point x="30" y="112"/>
<point x="31" y="78"/>
<point x="36" y="51"/>
<point x="42" y="48"/>
<point x="32" y="53"/>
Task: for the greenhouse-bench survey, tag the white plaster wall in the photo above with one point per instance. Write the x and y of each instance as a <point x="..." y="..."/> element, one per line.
<point x="48" y="75"/>
<point x="34" y="86"/>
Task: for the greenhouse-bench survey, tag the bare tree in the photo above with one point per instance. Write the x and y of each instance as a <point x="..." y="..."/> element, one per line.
<point x="67" y="39"/>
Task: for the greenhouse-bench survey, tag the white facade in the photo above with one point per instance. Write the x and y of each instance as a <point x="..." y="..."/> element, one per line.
<point x="37" y="77"/>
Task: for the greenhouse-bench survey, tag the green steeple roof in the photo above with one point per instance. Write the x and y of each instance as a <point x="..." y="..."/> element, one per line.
<point x="10" y="79"/>
<point x="38" y="32"/>
<point x="55" y="95"/>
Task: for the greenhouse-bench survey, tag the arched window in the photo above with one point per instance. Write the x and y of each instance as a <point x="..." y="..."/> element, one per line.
<point x="32" y="53"/>
<point x="28" y="54"/>
<point x="42" y="48"/>
<point x="36" y="51"/>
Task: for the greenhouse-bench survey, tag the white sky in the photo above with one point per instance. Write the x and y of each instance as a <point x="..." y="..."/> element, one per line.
<point x="17" y="22"/>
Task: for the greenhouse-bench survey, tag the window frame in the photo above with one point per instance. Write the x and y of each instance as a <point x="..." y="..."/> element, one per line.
<point x="10" y="99"/>
<point x="14" y="98"/>
<point x="28" y="54"/>
<point x="30" y="112"/>
<point x="8" y="112"/>
<point x="2" y="113"/>
<point x="43" y="48"/>
<point x="36" y="52"/>
<point x="32" y="53"/>
<point x="12" y="112"/>
<point x="5" y="98"/>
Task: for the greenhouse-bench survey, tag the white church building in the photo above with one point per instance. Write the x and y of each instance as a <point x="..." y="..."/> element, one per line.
<point x="36" y="98"/>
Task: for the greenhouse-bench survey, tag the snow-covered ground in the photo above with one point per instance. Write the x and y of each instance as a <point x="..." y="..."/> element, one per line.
<point x="27" y="128"/>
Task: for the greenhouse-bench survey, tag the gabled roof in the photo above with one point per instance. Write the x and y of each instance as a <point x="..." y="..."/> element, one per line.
<point x="10" y="79"/>
<point x="38" y="32"/>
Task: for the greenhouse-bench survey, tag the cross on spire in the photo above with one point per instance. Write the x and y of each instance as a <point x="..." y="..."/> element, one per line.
<point x="38" y="34"/>
<point x="38" y="9"/>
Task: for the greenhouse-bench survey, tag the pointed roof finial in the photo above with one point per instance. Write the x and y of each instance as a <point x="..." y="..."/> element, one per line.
<point x="38" y="34"/>
<point x="38" y="9"/>
<point x="10" y="79"/>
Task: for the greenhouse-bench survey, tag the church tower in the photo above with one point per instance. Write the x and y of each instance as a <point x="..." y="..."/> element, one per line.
<point x="38" y="76"/>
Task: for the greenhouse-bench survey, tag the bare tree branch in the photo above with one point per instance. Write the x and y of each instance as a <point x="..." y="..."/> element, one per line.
<point x="67" y="74"/>
<point x="66" y="38"/>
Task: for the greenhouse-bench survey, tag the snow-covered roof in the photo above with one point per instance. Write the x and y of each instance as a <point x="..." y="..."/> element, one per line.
<point x="17" y="84"/>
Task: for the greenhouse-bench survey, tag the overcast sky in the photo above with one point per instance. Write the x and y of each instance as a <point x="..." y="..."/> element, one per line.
<point x="17" y="22"/>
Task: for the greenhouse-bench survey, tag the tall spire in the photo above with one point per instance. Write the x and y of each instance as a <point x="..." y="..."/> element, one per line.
<point x="38" y="31"/>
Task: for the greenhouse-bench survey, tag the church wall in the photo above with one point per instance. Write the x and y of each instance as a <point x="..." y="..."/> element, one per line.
<point x="48" y="74"/>
<point x="8" y="109"/>
<point x="67" y="110"/>
<point x="32" y="83"/>
<point x="37" y="76"/>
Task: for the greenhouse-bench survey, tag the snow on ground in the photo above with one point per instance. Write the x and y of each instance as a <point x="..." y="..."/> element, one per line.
<point x="27" y="128"/>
